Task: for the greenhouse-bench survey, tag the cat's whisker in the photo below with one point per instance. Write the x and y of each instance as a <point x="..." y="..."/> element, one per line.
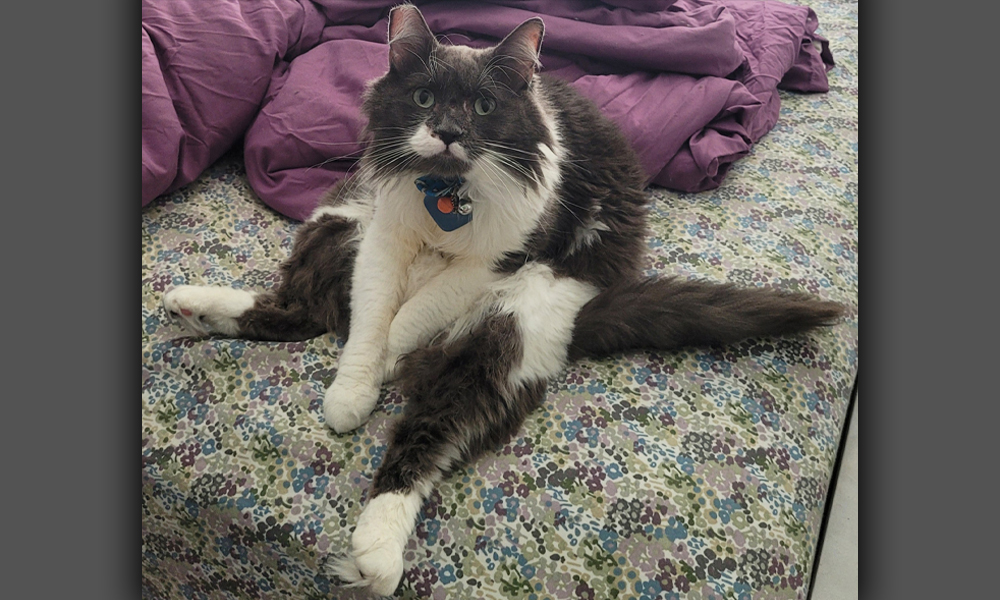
<point x="505" y="70"/>
<point x="486" y="69"/>
<point x="511" y="164"/>
<point x="341" y="157"/>
<point x="512" y="149"/>
<point x="519" y="168"/>
<point x="504" y="155"/>
<point x="372" y="160"/>
<point x="389" y="162"/>
<point x="427" y="67"/>
<point x="321" y="143"/>
<point x="385" y="148"/>
<point x="370" y="163"/>
<point x="489" y="171"/>
<point x="569" y="208"/>
<point x="506" y="179"/>
<point x="498" y="163"/>
<point x="490" y="161"/>
<point x="446" y="38"/>
<point x="329" y="160"/>
<point x="438" y="59"/>
<point x="365" y="144"/>
<point x="497" y="183"/>
<point x="391" y="142"/>
<point x="534" y="155"/>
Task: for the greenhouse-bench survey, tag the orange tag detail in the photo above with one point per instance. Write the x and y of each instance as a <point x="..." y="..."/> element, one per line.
<point x="445" y="204"/>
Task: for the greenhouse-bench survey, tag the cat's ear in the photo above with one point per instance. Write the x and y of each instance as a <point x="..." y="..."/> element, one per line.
<point x="410" y="39"/>
<point x="518" y="54"/>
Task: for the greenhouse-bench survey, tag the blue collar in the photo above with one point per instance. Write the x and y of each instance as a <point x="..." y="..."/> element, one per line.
<point x="441" y="198"/>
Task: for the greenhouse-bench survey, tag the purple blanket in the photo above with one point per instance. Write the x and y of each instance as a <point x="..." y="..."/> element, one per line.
<point x="693" y="83"/>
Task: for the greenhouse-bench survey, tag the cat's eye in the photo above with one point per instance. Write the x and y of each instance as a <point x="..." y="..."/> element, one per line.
<point x="423" y="97"/>
<point x="485" y="106"/>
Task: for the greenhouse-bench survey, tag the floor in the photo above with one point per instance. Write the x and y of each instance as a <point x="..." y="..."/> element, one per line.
<point x="837" y="576"/>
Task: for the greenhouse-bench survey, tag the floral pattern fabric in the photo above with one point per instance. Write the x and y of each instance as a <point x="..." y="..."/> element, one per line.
<point x="701" y="473"/>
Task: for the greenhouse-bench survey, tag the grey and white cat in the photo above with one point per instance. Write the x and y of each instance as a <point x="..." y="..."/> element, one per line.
<point x="541" y="266"/>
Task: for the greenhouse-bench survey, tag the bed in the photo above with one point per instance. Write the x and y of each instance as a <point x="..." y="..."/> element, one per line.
<point x="702" y="473"/>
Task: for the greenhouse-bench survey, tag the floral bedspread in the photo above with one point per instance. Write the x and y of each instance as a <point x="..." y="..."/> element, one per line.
<point x="694" y="474"/>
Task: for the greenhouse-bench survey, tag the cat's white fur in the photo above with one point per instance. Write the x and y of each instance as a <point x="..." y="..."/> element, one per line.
<point x="546" y="307"/>
<point x="504" y="213"/>
<point x="357" y="207"/>
<point x="425" y="143"/>
<point x="209" y="309"/>
<point x="376" y="557"/>
<point x="412" y="280"/>
<point x="434" y="306"/>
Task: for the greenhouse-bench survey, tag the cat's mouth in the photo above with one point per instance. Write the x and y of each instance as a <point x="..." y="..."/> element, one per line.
<point x="452" y="161"/>
<point x="456" y="151"/>
<point x="439" y="153"/>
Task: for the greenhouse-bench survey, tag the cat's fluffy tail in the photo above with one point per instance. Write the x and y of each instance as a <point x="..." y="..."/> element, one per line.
<point x="667" y="313"/>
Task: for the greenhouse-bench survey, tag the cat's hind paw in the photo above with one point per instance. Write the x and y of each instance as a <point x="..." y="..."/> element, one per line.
<point x="206" y="310"/>
<point x="376" y="557"/>
<point x="379" y="570"/>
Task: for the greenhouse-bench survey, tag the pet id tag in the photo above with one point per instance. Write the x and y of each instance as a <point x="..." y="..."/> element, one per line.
<point x="449" y="210"/>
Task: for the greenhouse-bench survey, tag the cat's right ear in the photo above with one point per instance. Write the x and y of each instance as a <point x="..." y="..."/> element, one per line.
<point x="517" y="56"/>
<point x="410" y="39"/>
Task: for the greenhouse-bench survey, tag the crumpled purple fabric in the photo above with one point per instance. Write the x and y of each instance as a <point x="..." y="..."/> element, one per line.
<point x="692" y="83"/>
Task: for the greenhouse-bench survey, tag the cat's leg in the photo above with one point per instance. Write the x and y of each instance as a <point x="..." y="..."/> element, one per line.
<point x="378" y="286"/>
<point x="311" y="298"/>
<point x="465" y="396"/>
<point x="434" y="306"/>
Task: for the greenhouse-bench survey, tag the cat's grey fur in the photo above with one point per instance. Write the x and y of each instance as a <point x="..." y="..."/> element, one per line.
<point x="473" y="322"/>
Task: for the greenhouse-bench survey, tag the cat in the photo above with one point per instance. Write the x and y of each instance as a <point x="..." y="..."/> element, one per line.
<point x="494" y="233"/>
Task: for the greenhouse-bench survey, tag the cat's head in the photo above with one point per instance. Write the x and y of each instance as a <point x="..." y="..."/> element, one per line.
<point x="441" y="108"/>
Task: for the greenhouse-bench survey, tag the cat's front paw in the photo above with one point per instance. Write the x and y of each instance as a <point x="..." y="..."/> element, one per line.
<point x="348" y="403"/>
<point x="205" y="310"/>
<point x="376" y="557"/>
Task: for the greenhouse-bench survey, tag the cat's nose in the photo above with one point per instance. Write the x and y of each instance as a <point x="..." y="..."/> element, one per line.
<point x="448" y="135"/>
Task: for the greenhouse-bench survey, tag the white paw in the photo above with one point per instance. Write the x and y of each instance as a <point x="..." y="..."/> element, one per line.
<point x="392" y="365"/>
<point x="206" y="310"/>
<point x="376" y="557"/>
<point x="401" y="342"/>
<point x="379" y="569"/>
<point x="397" y="345"/>
<point x="348" y="403"/>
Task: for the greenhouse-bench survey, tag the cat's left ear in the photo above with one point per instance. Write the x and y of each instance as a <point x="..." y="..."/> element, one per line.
<point x="518" y="54"/>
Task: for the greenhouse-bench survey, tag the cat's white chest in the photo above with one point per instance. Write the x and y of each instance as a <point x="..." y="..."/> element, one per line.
<point x="499" y="224"/>
<point x="413" y="215"/>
